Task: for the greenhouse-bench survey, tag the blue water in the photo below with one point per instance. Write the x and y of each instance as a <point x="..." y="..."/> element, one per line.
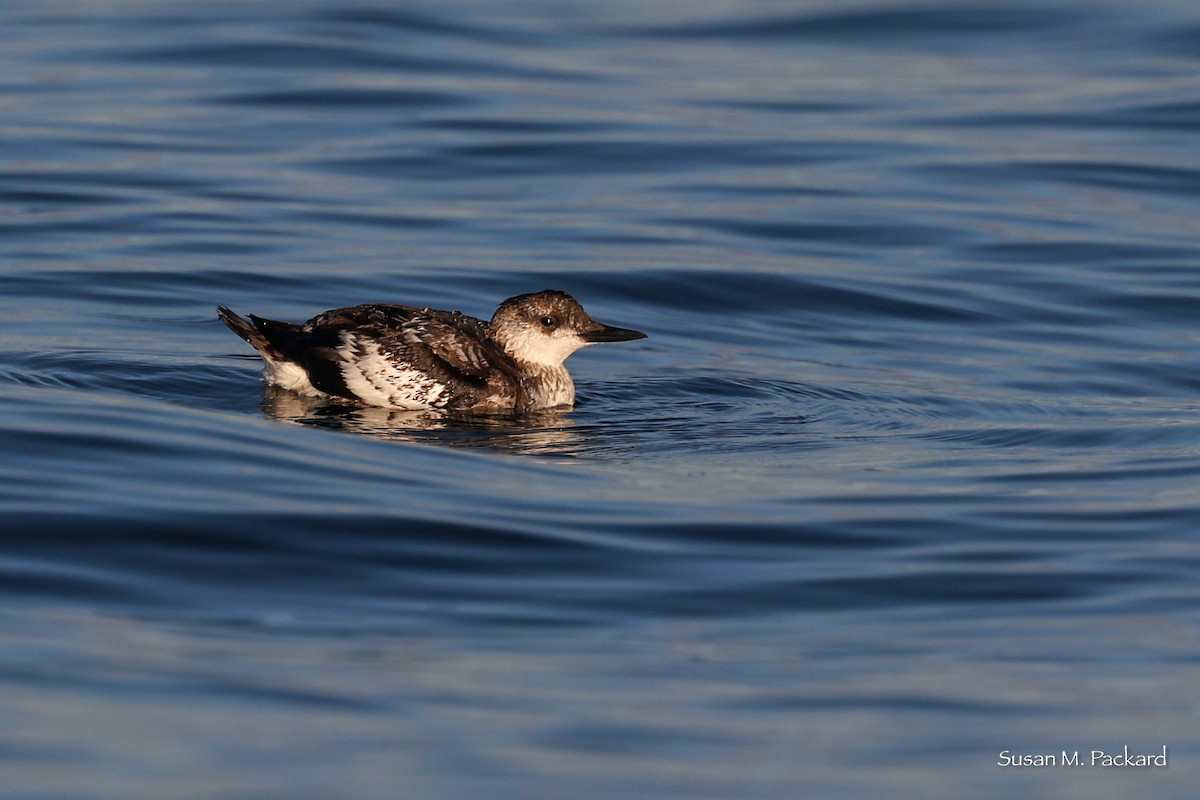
<point x="905" y="476"/>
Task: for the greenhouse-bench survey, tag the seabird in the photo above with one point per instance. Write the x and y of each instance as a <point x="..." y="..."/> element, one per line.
<point x="404" y="357"/>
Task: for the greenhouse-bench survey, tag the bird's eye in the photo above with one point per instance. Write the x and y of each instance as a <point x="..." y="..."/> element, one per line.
<point x="547" y="322"/>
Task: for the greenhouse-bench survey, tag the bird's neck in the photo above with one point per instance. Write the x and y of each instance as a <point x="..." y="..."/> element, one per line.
<point x="547" y="387"/>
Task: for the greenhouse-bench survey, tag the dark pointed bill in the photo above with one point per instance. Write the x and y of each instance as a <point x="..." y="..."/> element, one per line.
<point x="607" y="333"/>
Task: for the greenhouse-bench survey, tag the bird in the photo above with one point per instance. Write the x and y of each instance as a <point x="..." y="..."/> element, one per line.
<point x="412" y="358"/>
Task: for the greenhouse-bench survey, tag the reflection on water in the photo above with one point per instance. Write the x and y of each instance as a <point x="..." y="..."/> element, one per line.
<point x="543" y="433"/>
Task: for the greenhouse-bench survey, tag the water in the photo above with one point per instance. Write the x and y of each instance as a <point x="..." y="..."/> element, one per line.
<point x="904" y="477"/>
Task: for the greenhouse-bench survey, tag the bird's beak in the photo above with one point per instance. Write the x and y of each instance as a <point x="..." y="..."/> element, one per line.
<point x="607" y="333"/>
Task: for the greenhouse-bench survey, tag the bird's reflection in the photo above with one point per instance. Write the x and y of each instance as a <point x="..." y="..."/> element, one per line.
<point x="546" y="433"/>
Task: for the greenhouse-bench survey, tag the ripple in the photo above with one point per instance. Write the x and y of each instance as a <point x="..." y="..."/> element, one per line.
<point x="583" y="157"/>
<point x="341" y="98"/>
<point x="1091" y="254"/>
<point x="293" y="55"/>
<point x="390" y="21"/>
<point x="900" y="25"/>
<point x="722" y="293"/>
<point x="857" y="234"/>
<point x="1154" y="116"/>
<point x="1131" y="177"/>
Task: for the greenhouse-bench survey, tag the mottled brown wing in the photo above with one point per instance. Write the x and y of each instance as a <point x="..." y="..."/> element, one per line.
<point x="374" y="315"/>
<point x="460" y="350"/>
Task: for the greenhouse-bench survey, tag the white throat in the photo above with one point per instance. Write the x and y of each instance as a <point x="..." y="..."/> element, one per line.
<point x="539" y="351"/>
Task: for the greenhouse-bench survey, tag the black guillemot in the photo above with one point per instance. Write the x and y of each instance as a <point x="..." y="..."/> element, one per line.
<point x="405" y="357"/>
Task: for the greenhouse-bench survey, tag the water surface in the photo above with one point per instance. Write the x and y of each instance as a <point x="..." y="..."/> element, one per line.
<point x="904" y="476"/>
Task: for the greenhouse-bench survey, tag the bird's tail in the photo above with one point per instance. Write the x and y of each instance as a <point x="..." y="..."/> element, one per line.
<point x="255" y="333"/>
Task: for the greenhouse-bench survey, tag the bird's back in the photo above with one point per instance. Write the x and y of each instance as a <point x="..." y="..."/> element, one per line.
<point x="393" y="356"/>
